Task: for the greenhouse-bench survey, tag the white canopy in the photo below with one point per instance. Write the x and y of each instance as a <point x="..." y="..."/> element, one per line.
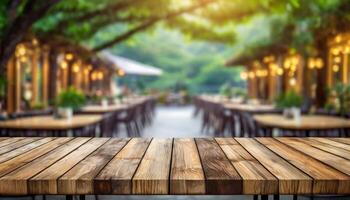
<point x="131" y="66"/>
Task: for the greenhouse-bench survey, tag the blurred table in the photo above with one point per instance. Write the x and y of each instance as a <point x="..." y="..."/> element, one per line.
<point x="251" y="108"/>
<point x="305" y="125"/>
<point x="99" y="109"/>
<point x="50" y="123"/>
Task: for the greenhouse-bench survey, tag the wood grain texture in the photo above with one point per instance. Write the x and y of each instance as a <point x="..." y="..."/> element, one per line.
<point x="116" y="177"/>
<point x="328" y="147"/>
<point x="24" y="149"/>
<point x="79" y="180"/>
<point x="20" y="160"/>
<point x="186" y="175"/>
<point x="327" y="180"/>
<point x="16" y="181"/>
<point x="339" y="163"/>
<point x="256" y="179"/>
<point x="6" y="140"/>
<point x="144" y="166"/>
<point x="335" y="143"/>
<point x="221" y="177"/>
<point x="152" y="175"/>
<point x="16" y="144"/>
<point x="46" y="181"/>
<point x="291" y="180"/>
<point x="341" y="140"/>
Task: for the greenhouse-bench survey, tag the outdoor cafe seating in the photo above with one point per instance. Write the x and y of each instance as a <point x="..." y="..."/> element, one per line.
<point x="240" y="120"/>
<point x="134" y="116"/>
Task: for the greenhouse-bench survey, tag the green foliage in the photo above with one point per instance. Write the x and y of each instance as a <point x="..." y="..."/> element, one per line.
<point x="288" y="100"/>
<point x="226" y="90"/>
<point x="70" y="98"/>
<point x="195" y="66"/>
<point x="339" y="96"/>
<point x="3" y="83"/>
<point x="38" y="106"/>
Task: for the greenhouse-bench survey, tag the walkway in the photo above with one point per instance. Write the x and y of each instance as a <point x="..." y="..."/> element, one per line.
<point x="174" y="121"/>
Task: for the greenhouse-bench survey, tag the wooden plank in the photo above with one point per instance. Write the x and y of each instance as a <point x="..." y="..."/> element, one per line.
<point x="221" y="176"/>
<point x="13" y="164"/>
<point x="291" y="180"/>
<point x="46" y="181"/>
<point x="256" y="179"/>
<point x="8" y="141"/>
<point x="152" y="176"/>
<point x="79" y="180"/>
<point x="116" y="177"/>
<point x="326" y="179"/>
<point x="24" y="149"/>
<point x="342" y="140"/>
<point x="17" y="144"/>
<point x="16" y="181"/>
<point x="332" y="142"/>
<point x="341" y="164"/>
<point x="186" y="176"/>
<point x="327" y="147"/>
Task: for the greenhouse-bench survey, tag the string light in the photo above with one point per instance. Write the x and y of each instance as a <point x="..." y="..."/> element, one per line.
<point x="76" y="68"/>
<point x="100" y="75"/>
<point x="335" y="68"/>
<point x="292" y="82"/>
<point x="64" y="65"/>
<point x="244" y="75"/>
<point x="93" y="76"/>
<point x="20" y="50"/>
<point x="279" y="71"/>
<point x="251" y="75"/>
<point x="69" y="56"/>
<point x="121" y="72"/>
<point x="337" y="59"/>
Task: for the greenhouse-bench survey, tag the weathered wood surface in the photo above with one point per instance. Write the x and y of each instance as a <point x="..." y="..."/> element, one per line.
<point x="174" y="166"/>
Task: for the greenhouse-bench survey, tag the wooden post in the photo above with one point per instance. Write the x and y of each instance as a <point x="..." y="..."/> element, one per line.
<point x="10" y="76"/>
<point x="17" y="81"/>
<point x="34" y="76"/>
<point x="345" y="69"/>
<point x="53" y="68"/>
<point x="45" y="75"/>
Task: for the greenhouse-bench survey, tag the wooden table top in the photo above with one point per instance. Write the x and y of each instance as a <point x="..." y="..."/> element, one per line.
<point x="249" y="107"/>
<point x="99" y="109"/>
<point x="307" y="122"/>
<point x="50" y="123"/>
<point x="174" y="166"/>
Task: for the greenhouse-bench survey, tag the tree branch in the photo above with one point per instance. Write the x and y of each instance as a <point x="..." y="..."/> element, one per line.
<point x="106" y="11"/>
<point x="14" y="34"/>
<point x="149" y="23"/>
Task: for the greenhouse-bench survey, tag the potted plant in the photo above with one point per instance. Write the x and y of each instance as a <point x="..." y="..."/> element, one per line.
<point x="290" y="102"/>
<point x="69" y="100"/>
<point x="339" y="95"/>
<point x="104" y="101"/>
<point x="226" y="90"/>
<point x="3" y="84"/>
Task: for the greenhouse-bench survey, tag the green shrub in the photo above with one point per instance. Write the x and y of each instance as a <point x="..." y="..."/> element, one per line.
<point x="225" y="90"/>
<point x="71" y="98"/>
<point x="341" y="94"/>
<point x="3" y="83"/>
<point x="288" y="99"/>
